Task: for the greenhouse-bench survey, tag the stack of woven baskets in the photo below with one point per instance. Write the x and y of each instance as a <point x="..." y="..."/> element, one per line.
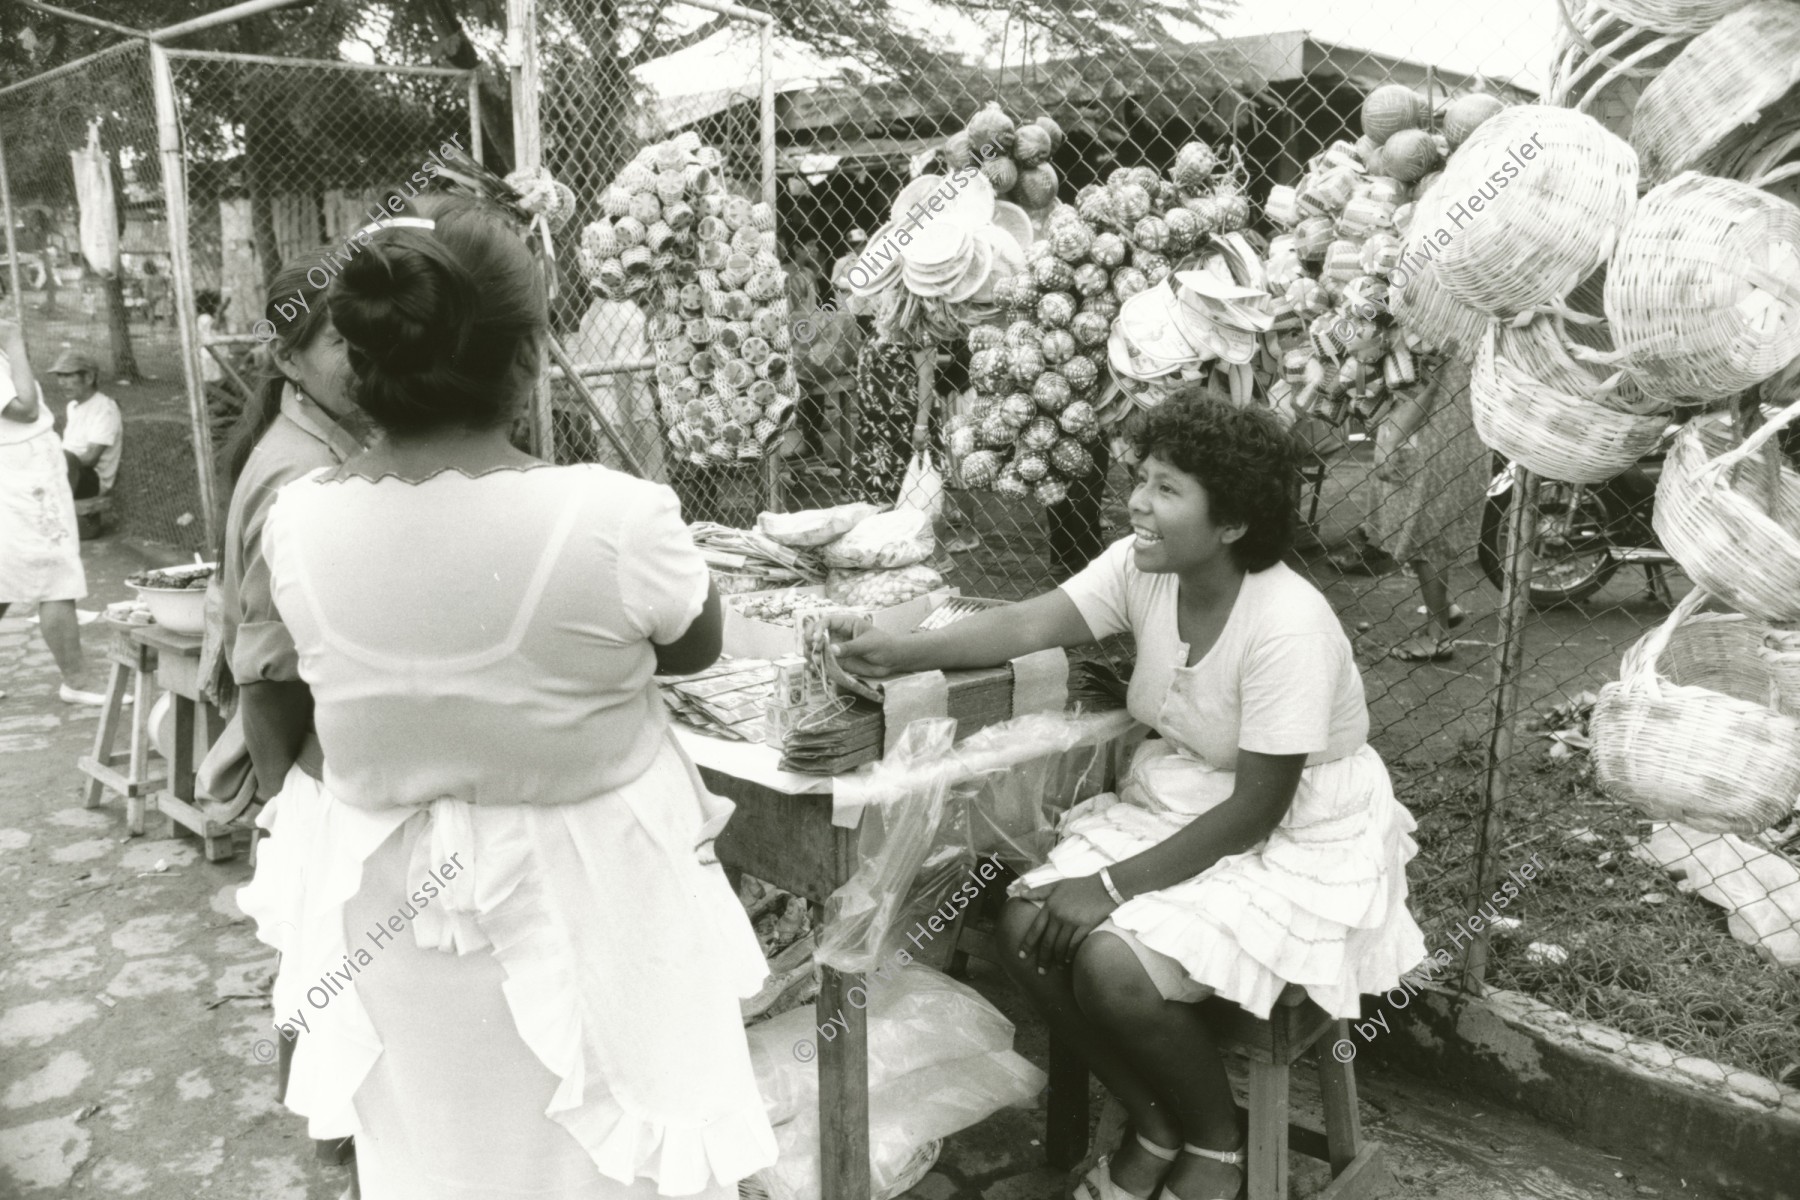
<point x="1703" y="726"/>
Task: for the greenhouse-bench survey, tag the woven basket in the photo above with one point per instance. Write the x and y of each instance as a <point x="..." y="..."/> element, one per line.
<point x="1540" y="231"/>
<point x="1781" y="654"/>
<point x="1603" y="62"/>
<point x="1724" y="653"/>
<point x="1723" y="79"/>
<point x="1691" y="754"/>
<point x="1419" y="300"/>
<point x="1720" y="529"/>
<point x="1703" y="293"/>
<point x="1672" y="16"/>
<point x="1553" y="426"/>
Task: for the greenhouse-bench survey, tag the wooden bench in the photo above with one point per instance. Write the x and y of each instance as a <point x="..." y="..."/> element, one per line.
<point x="1296" y="1026"/>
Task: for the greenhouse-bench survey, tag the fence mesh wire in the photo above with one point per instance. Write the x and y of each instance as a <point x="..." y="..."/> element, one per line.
<point x="281" y="157"/>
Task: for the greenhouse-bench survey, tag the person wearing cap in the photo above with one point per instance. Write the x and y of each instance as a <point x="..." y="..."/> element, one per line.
<point x="840" y="270"/>
<point x="40" y="550"/>
<point x="93" y="429"/>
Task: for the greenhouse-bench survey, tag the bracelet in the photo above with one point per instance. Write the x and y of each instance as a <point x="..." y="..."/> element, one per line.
<point x="1107" y="883"/>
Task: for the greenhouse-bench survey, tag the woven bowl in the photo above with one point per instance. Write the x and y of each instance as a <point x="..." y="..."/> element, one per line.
<point x="1420" y="302"/>
<point x="1723" y="79"/>
<point x="1780" y="652"/>
<point x="1720" y="529"/>
<point x="1703" y="293"/>
<point x="1691" y="754"/>
<point x="1554" y="427"/>
<point x="1672" y="16"/>
<point x="1539" y="225"/>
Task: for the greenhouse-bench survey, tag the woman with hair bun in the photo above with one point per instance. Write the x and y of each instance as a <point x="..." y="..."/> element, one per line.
<point x="511" y="964"/>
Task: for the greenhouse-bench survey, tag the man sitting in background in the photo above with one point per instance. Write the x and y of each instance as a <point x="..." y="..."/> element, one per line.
<point x="93" y="429"/>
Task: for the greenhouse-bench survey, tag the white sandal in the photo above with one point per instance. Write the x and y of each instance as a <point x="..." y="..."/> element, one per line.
<point x="1233" y="1158"/>
<point x="1098" y="1183"/>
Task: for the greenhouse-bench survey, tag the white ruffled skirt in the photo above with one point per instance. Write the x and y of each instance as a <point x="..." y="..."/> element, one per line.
<point x="559" y="1020"/>
<point x="1320" y="903"/>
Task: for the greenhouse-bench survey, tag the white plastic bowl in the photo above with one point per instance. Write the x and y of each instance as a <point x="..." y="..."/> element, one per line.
<point x="179" y="610"/>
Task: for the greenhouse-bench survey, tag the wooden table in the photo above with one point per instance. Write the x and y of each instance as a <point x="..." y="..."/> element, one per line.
<point x="782" y="833"/>
<point x="136" y="652"/>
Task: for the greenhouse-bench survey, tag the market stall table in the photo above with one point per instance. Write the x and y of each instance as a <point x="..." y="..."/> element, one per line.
<point x="783" y="834"/>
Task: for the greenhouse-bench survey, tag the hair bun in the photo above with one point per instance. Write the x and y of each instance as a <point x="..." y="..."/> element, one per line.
<point x="395" y="301"/>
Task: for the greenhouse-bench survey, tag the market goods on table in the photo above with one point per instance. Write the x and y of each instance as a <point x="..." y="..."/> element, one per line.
<point x="194" y="577"/>
<point x="175" y="596"/>
<point x="701" y="261"/>
<point x="754" y="561"/>
<point x="882" y="588"/>
<point x="887" y="540"/>
<point x="813" y="526"/>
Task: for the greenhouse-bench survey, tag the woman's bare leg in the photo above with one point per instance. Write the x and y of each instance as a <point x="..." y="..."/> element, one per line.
<point x="1052" y="993"/>
<point x="62" y="630"/>
<point x="1168" y="1046"/>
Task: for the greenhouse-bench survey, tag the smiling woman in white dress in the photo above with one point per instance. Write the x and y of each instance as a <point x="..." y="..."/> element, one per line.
<point x="1256" y="841"/>
<point x="510" y="965"/>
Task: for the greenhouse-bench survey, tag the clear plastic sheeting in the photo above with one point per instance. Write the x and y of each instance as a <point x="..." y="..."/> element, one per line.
<point x="1759" y="889"/>
<point x="940" y="1060"/>
<point x="935" y="808"/>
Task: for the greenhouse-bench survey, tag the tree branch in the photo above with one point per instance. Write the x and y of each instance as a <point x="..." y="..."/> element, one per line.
<point x="651" y="49"/>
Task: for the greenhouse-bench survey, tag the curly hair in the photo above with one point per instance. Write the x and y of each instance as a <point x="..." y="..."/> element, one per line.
<point x="1247" y="462"/>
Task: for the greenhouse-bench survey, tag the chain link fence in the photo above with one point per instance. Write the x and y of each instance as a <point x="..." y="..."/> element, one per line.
<point x="1411" y="545"/>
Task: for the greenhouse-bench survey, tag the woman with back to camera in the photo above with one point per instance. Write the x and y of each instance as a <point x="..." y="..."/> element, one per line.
<point x="1256" y="842"/>
<point x="511" y="960"/>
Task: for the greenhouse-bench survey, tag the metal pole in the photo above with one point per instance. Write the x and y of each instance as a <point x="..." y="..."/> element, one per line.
<point x="329" y="64"/>
<point x="766" y="41"/>
<point x="475" y="149"/>
<point x="51" y="10"/>
<point x="168" y="128"/>
<point x="225" y="16"/>
<point x="528" y="154"/>
<point x="12" y="248"/>
<point x="1515" y="609"/>
<point x="573" y="375"/>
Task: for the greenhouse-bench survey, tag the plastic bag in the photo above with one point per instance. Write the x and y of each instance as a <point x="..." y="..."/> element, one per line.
<point x="906" y="1114"/>
<point x="923" y="487"/>
<point x="881" y="589"/>
<point x="890" y="539"/>
<point x="813" y="526"/>
<point x="918" y="1018"/>
<point x="936" y="808"/>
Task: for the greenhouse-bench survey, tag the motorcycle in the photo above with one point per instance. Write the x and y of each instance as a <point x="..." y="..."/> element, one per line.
<point x="1585" y="533"/>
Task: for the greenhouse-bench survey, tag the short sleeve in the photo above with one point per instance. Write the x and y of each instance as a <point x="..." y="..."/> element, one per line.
<point x="1288" y="689"/>
<point x="106" y="426"/>
<point x="663" y="579"/>
<point x="1100" y="591"/>
<point x="264" y="649"/>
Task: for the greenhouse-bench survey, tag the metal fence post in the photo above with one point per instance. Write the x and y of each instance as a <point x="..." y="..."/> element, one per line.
<point x="168" y="128"/>
<point x="1509" y="663"/>
<point x="528" y="155"/>
<point x="12" y="248"/>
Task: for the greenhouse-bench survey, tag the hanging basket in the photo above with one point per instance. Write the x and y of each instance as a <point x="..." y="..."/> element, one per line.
<point x="1724" y="653"/>
<point x="1780" y="651"/>
<point x="1724" y="79"/>
<point x="1691" y="754"/>
<point x="1539" y="224"/>
<point x="1604" y="60"/>
<point x="1720" y="528"/>
<point x="1703" y="294"/>
<point x="1535" y="405"/>
<point x="1672" y="16"/>
<point x="1420" y="302"/>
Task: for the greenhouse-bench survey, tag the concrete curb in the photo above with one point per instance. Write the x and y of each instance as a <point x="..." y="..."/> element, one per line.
<point x="1727" y="1128"/>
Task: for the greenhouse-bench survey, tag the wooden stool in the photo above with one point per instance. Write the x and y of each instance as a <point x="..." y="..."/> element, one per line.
<point x="1295" y="1026"/>
<point x="132" y="664"/>
<point x="139" y="650"/>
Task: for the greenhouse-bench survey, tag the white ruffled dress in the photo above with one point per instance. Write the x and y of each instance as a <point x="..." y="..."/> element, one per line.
<point x="509" y="965"/>
<point x="1322" y="901"/>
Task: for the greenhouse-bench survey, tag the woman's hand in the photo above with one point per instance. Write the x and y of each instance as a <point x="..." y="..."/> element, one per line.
<point x="1071" y="909"/>
<point x="860" y="648"/>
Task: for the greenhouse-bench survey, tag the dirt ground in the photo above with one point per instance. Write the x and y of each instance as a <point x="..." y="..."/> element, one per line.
<point x="135" y="1045"/>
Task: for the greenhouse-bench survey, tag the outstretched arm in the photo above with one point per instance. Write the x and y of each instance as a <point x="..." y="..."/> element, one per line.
<point x="984" y="640"/>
